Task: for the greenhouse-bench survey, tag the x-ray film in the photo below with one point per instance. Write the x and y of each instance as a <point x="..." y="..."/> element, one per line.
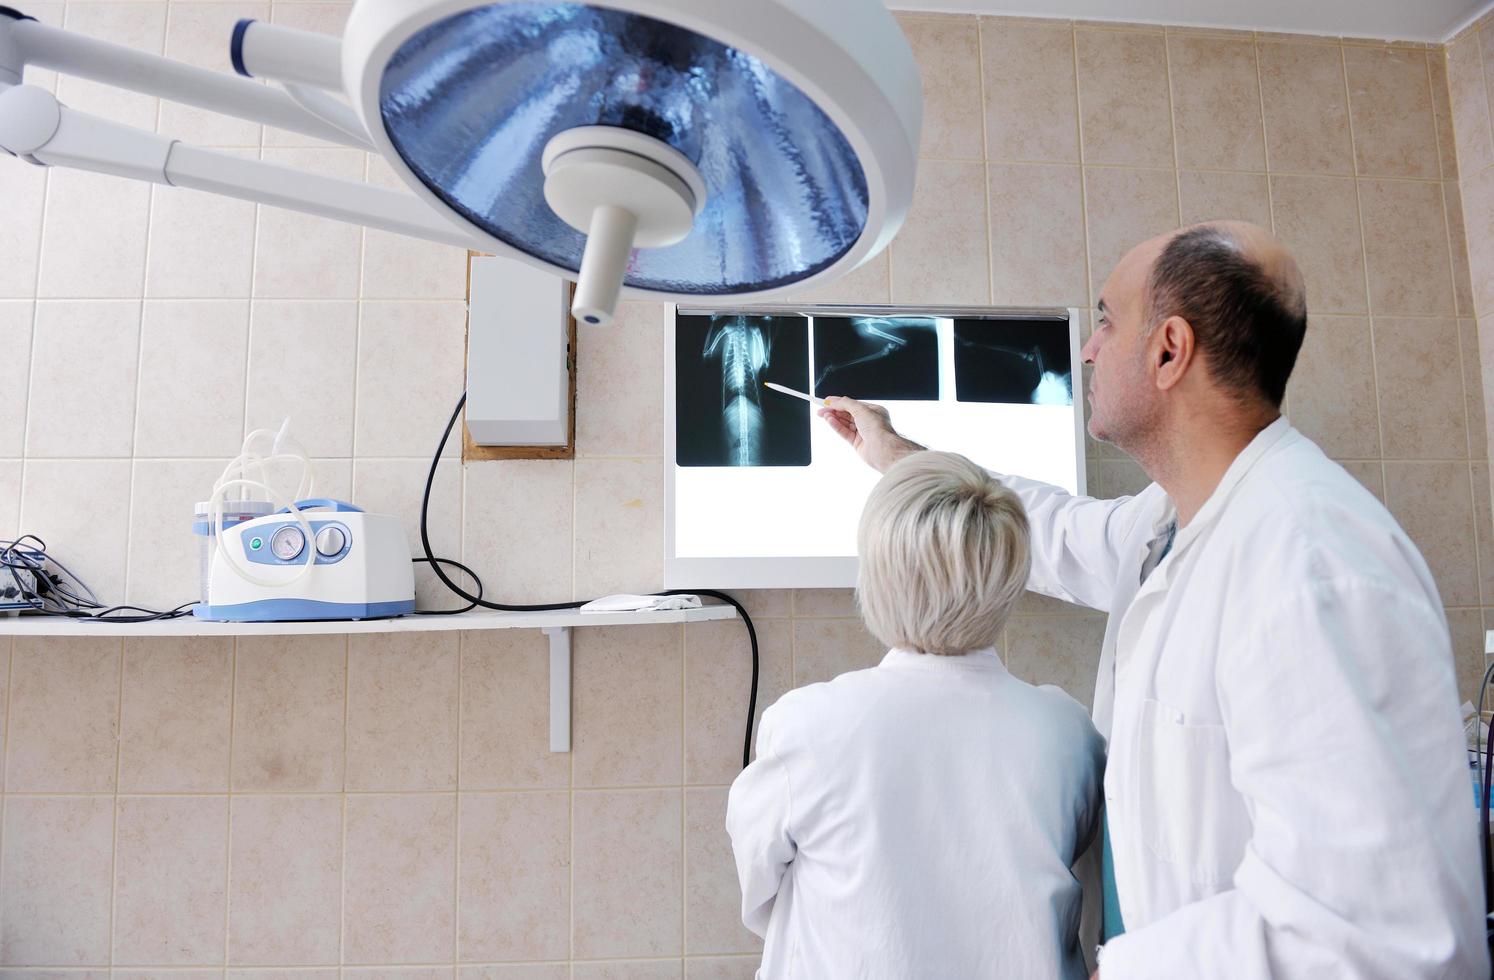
<point x="762" y="493"/>
<point x="723" y="414"/>
<point x="876" y="358"/>
<point x="1019" y="362"/>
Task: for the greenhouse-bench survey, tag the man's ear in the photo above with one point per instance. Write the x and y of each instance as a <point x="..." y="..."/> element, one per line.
<point x="1171" y="351"/>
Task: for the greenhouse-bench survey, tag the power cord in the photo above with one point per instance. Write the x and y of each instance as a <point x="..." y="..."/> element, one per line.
<point x="477" y="600"/>
<point x="1484" y="753"/>
<point x="433" y="561"/>
<point x="61" y="592"/>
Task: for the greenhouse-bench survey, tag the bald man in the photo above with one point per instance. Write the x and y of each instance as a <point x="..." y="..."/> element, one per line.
<point x="1287" y="792"/>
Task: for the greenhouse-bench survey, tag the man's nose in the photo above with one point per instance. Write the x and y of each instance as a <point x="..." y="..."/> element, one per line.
<point x="1087" y="355"/>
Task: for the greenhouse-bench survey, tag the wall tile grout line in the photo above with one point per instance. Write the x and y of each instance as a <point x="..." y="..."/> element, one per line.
<point x="684" y="648"/>
<point x="1483" y="76"/>
<point x="10" y="683"/>
<point x="417" y="459"/>
<point x="342" y="912"/>
<point x="501" y="791"/>
<point x="1476" y="38"/>
<point x="415" y="793"/>
<point x="570" y="770"/>
<point x="1464" y="178"/>
<point x="41" y="253"/>
<point x="357" y="392"/>
<point x="233" y="686"/>
<point x="1369" y="304"/>
<point x="169" y="969"/>
<point x="1235" y="171"/>
<point x="1437" y="126"/>
<point x="985" y="163"/>
<point x="228" y="297"/>
<point x="1463" y="376"/>
<point x="1172" y="128"/>
<point x="1089" y="271"/>
<point x="575" y="545"/>
<point x="150" y="200"/>
<point x="134" y="428"/>
<point x="114" y="807"/>
<point x="254" y="298"/>
<point x="456" y="848"/>
<point x="1479" y="534"/>
<point x="1260" y="95"/>
<point x="1447" y="237"/>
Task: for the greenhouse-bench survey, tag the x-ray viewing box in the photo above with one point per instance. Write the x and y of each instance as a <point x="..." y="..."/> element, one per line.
<point x="760" y="493"/>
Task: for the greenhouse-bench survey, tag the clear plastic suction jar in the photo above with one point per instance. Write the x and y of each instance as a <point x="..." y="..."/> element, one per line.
<point x="234" y="512"/>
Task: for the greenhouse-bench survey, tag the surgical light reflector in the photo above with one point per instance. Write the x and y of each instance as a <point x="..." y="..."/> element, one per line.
<point x="471" y="102"/>
<point x="675" y="147"/>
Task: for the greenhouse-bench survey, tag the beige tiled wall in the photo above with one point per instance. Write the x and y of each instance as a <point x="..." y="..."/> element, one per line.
<point x="390" y="808"/>
<point x="1470" y="74"/>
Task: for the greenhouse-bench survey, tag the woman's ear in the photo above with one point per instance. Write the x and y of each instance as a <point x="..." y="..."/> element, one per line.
<point x="1172" y="348"/>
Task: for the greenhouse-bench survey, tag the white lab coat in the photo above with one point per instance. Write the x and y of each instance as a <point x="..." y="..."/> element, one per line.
<point x="1287" y="789"/>
<point x="918" y="819"/>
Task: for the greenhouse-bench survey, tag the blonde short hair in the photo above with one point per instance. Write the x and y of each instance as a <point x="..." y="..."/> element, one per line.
<point x="944" y="555"/>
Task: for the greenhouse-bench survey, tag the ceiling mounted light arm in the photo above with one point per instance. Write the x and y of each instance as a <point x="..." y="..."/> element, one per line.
<point x="331" y="111"/>
<point x="307" y="65"/>
<point x="286" y="54"/>
<point x="343" y="200"/>
<point x="25" y="42"/>
<point x="36" y="127"/>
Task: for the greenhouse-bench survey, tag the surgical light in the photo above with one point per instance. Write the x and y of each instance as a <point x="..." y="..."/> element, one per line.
<point x="672" y="148"/>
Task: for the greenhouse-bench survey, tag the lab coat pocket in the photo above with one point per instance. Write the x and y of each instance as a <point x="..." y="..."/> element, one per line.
<point x="1190" y="814"/>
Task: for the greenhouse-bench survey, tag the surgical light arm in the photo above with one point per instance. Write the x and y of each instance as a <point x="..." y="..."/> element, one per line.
<point x="36" y="127"/>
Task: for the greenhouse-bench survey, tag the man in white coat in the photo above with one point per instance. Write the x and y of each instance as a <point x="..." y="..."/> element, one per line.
<point x="1286" y="792"/>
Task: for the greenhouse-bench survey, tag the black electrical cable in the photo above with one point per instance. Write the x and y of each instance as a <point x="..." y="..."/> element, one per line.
<point x="105" y="615"/>
<point x="1485" y="755"/>
<point x="146" y="615"/>
<point x="454" y="564"/>
<point x="28" y="553"/>
<point x="478" y="600"/>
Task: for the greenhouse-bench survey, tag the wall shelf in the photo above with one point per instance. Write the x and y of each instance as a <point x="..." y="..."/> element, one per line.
<point x="557" y="625"/>
<point x="484" y="619"/>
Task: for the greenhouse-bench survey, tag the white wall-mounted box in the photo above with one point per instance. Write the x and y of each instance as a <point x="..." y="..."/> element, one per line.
<point x="518" y="375"/>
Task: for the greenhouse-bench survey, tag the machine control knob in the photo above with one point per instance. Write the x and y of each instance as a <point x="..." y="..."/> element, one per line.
<point x="330" y="541"/>
<point x="287" y="542"/>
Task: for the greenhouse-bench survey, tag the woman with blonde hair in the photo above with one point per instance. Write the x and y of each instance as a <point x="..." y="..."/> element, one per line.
<point x="922" y="818"/>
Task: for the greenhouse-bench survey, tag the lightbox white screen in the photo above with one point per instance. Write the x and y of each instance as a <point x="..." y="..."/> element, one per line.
<point x="812" y="511"/>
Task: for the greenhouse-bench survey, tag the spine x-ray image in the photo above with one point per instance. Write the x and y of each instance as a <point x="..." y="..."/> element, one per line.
<point x="723" y="415"/>
<point x="882" y="358"/>
<point x="1023" y="362"/>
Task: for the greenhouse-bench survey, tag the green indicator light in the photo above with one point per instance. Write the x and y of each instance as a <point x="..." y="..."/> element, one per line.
<point x="256" y="543"/>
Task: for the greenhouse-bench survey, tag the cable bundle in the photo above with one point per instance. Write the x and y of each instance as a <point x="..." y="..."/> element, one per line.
<point x="30" y="575"/>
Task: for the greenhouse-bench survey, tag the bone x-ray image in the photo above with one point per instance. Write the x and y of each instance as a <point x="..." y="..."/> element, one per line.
<point x="881" y="358"/>
<point x="723" y="415"/>
<point x="1022" y="362"/>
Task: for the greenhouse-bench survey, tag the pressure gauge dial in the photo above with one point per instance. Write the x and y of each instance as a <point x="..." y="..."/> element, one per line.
<point x="287" y="543"/>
